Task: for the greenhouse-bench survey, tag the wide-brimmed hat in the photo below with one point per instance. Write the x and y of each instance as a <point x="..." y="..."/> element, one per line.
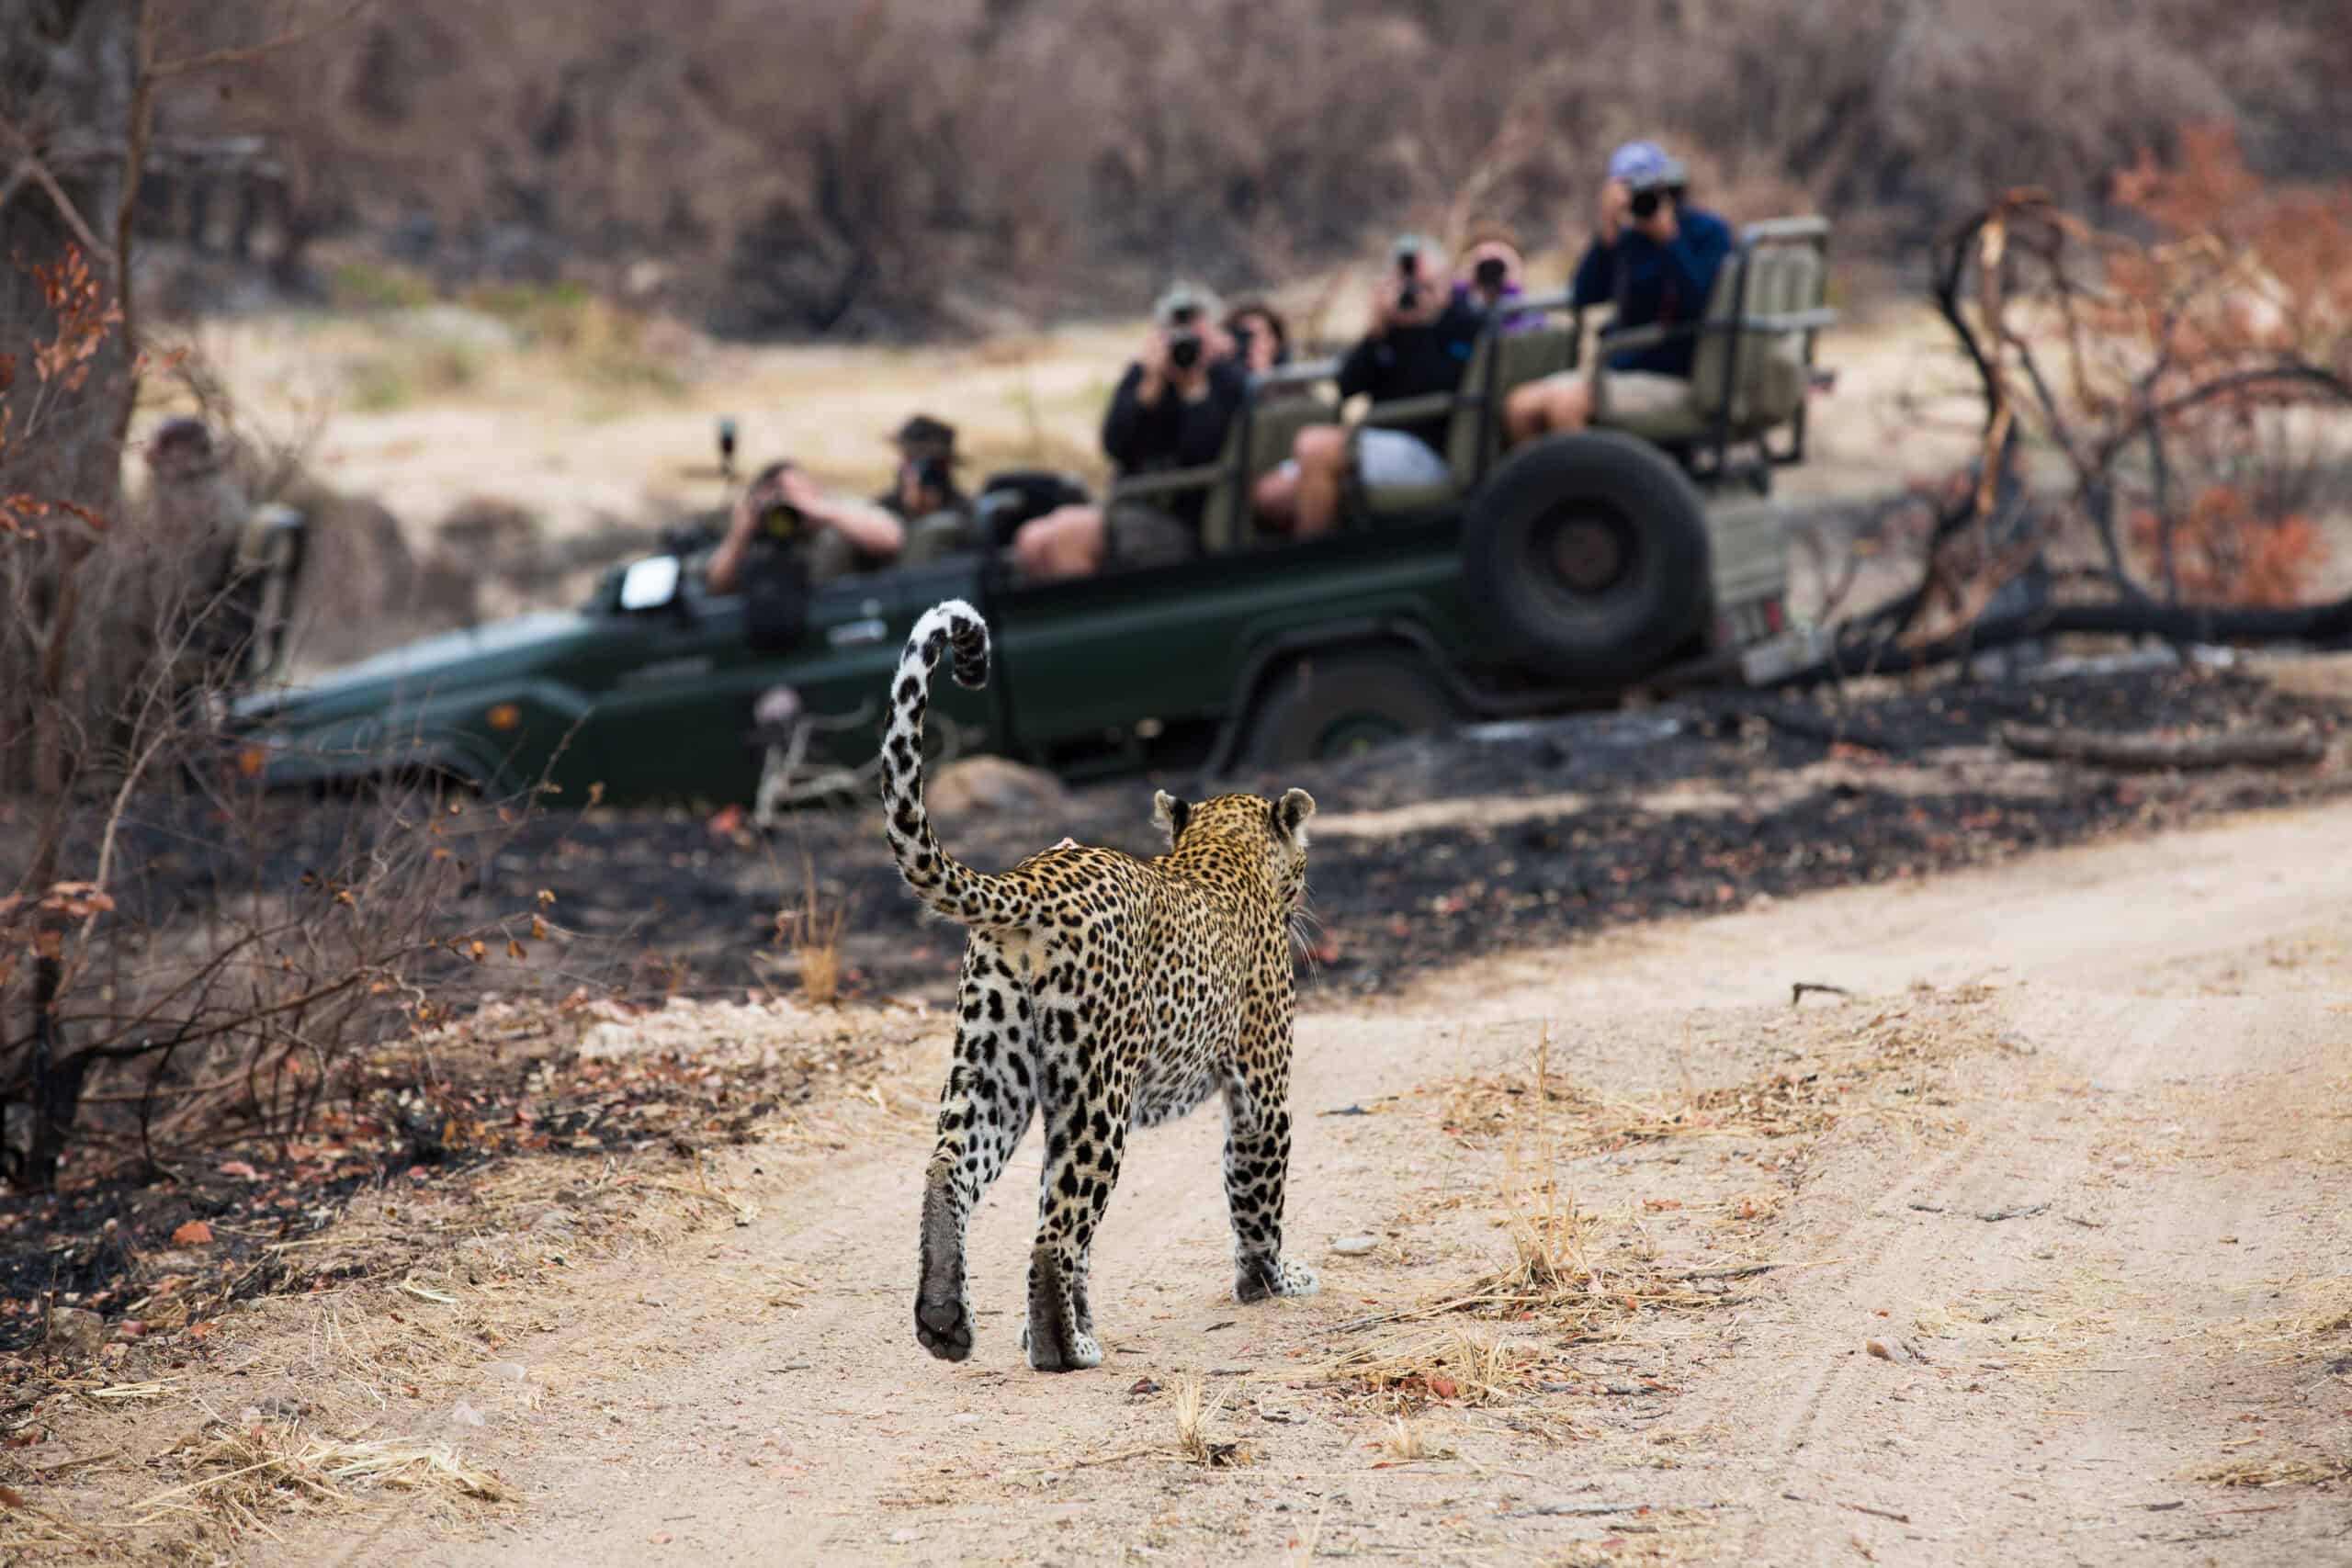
<point x="925" y="435"/>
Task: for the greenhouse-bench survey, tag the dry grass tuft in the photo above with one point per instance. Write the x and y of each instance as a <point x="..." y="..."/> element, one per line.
<point x="1195" y="1409"/>
<point x="814" y="934"/>
<point x="1458" y="1366"/>
<point x="1408" y="1439"/>
<point x="257" y="1466"/>
<point x="2262" y="1474"/>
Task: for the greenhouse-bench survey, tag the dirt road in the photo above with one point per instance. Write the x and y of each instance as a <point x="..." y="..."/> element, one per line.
<point x="2075" y="1153"/>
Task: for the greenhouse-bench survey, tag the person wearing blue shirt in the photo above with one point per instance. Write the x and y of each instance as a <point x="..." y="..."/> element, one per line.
<point x="1656" y="258"/>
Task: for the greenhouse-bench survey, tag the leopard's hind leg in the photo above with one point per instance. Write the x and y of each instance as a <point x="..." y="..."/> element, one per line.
<point x="1083" y="1093"/>
<point x="989" y="1097"/>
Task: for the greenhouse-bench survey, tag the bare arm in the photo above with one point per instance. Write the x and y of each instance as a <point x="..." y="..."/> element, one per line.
<point x="869" y="527"/>
<point x="726" y="561"/>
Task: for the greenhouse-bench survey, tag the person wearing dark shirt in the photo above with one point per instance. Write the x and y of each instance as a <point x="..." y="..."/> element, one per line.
<point x="1656" y="257"/>
<point x="925" y="482"/>
<point x="1171" y="410"/>
<point x="1261" y="337"/>
<point x="1422" y="339"/>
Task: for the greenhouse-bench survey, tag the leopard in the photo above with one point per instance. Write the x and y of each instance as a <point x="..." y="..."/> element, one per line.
<point x="1099" y="992"/>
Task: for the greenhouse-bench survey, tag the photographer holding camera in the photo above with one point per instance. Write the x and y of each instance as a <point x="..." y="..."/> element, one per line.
<point x="1261" y="337"/>
<point x="924" y="484"/>
<point x="783" y="514"/>
<point x="1422" y="339"/>
<point x="1657" y="257"/>
<point x="1171" y="410"/>
<point x="1492" y="268"/>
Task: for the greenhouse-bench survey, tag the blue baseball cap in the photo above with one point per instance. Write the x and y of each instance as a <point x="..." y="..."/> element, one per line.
<point x="1643" y="165"/>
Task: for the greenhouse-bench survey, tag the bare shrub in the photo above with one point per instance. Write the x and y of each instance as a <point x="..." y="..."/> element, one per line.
<point x="908" y="164"/>
<point x="178" y="954"/>
<point x="2191" y="381"/>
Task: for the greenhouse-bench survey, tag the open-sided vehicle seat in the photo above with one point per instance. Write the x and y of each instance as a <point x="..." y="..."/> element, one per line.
<point x="1753" y="363"/>
<point x="1501" y="362"/>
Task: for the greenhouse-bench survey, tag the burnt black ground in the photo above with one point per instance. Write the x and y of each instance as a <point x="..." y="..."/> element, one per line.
<point x="678" y="902"/>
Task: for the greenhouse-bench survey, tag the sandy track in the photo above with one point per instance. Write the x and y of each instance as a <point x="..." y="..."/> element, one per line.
<point x="2138" y="1047"/>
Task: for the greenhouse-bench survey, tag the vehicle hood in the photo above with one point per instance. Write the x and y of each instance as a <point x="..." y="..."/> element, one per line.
<point x="440" y="663"/>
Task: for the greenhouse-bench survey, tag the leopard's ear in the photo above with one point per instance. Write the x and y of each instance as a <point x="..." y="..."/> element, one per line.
<point x="1291" y="813"/>
<point x="1170" y="813"/>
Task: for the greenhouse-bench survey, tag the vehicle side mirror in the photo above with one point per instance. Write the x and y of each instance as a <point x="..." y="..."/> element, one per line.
<point x="650" y="585"/>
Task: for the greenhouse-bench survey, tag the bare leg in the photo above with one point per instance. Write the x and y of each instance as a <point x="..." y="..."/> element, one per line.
<point x="1322" y="454"/>
<point x="1066" y="542"/>
<point x="1526" y="413"/>
<point x="1273" y="502"/>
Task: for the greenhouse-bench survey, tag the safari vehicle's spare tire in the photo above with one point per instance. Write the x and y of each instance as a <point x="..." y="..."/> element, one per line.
<point x="1588" y="553"/>
<point x="1331" y="705"/>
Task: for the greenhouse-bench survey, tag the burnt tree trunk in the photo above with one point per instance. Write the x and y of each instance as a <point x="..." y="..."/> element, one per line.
<point x="68" y="71"/>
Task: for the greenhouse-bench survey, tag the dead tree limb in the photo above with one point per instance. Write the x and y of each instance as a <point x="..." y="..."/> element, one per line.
<point x="2252" y="747"/>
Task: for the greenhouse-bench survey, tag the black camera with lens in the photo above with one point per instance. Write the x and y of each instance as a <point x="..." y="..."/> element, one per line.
<point x="1649" y="198"/>
<point x="1184" y="341"/>
<point x="1408" y="274"/>
<point x="932" y="473"/>
<point x="780" y="521"/>
<point x="1489" y="274"/>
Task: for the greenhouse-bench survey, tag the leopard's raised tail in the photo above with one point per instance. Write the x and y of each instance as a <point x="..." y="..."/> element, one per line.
<point x="943" y="882"/>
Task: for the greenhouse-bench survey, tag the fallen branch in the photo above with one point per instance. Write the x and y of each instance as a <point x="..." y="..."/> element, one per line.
<point x="2254" y="747"/>
<point x="1797" y="991"/>
<point x="1586" y="1510"/>
<point x="2325" y="626"/>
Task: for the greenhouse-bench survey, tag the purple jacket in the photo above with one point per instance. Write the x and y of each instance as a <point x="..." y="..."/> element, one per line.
<point x="1513" y="320"/>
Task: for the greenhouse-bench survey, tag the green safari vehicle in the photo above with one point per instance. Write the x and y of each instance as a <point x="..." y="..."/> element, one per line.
<point x="1560" y="574"/>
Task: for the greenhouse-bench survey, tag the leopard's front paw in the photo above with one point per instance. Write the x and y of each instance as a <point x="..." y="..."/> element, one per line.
<point x="1255" y="1278"/>
<point x="944" y="1327"/>
<point x="1044" y="1356"/>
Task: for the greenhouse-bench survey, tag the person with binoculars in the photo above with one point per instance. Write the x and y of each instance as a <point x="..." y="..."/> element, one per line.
<point x="1171" y="410"/>
<point x="783" y="512"/>
<point x="1655" y="257"/>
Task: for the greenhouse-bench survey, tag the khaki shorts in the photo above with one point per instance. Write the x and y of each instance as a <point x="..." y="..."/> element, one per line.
<point x="1631" y="394"/>
<point x="1138" y="535"/>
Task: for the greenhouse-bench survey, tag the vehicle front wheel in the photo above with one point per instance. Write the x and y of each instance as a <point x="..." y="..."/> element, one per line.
<point x="1329" y="705"/>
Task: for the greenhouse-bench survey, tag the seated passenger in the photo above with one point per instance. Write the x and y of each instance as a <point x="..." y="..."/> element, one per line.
<point x="1422" y="339"/>
<point x="782" y="510"/>
<point x="1668" y="252"/>
<point x="1490" y="274"/>
<point x="1261" y="341"/>
<point x="1171" y="410"/>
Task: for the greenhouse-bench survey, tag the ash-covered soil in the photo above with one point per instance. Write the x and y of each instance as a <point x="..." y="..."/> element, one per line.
<point x="1512" y="835"/>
